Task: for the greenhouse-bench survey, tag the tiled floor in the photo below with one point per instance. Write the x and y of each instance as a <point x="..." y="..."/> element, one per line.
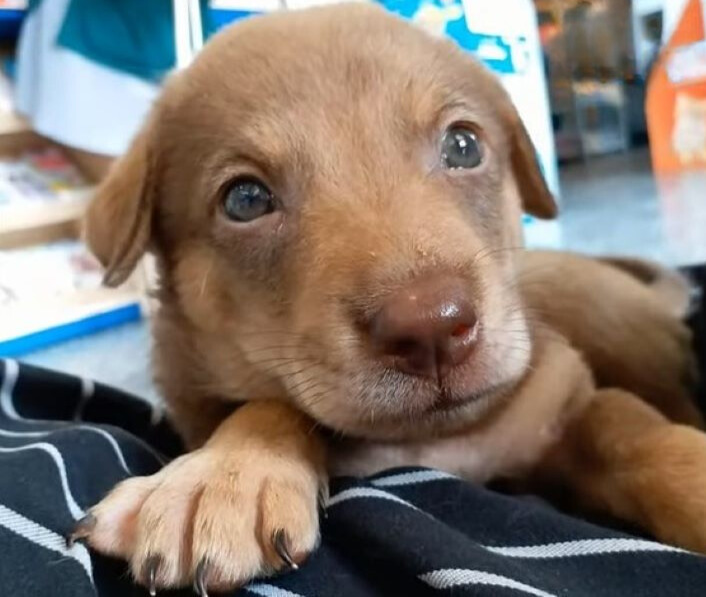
<point x="609" y="205"/>
<point x="615" y="205"/>
<point x="119" y="357"/>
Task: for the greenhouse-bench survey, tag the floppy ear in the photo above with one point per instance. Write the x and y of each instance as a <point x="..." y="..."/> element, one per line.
<point x="536" y="197"/>
<point x="117" y="225"/>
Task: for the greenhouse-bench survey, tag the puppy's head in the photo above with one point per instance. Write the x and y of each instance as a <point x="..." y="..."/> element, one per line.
<point x="334" y="197"/>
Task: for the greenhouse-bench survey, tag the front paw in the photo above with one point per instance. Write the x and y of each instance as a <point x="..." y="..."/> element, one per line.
<point x="212" y="518"/>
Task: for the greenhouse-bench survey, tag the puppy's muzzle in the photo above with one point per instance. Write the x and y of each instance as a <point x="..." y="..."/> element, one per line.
<point x="427" y="328"/>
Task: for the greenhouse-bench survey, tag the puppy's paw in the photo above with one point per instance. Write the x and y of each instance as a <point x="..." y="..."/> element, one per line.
<point x="670" y="476"/>
<point x="213" y="518"/>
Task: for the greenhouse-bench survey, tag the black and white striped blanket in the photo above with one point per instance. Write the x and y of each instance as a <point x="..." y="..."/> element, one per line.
<point x="65" y="441"/>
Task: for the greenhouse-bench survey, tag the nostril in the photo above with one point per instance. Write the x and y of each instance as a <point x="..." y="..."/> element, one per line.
<point x="462" y="329"/>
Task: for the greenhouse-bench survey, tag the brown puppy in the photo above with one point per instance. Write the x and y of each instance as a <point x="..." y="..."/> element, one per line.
<point x="334" y="200"/>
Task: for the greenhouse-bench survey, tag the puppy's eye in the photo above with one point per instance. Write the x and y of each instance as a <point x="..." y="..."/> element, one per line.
<point x="248" y="199"/>
<point x="461" y="148"/>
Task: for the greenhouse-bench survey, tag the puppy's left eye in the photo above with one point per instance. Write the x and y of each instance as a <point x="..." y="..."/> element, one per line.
<point x="248" y="199"/>
<point x="461" y="148"/>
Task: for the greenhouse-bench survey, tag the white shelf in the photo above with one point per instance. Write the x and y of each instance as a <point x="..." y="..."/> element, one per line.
<point x="50" y="313"/>
<point x="31" y="317"/>
<point x="44" y="220"/>
<point x="52" y="293"/>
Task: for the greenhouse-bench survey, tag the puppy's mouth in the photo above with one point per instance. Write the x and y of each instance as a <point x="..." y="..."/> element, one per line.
<point x="448" y="402"/>
<point x="445" y="402"/>
<point x="422" y="411"/>
<point x="424" y="400"/>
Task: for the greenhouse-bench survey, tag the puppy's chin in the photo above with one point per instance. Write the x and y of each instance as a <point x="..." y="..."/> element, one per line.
<point x="378" y="403"/>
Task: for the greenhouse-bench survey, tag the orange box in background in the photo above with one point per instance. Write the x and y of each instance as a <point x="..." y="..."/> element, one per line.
<point x="676" y="97"/>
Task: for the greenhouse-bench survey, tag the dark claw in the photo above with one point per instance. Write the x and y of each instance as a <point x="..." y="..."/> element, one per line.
<point x="201" y="579"/>
<point x="83" y="529"/>
<point x="279" y="542"/>
<point x="150" y="569"/>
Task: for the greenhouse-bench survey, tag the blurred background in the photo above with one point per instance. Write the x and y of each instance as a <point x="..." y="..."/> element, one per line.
<point x="613" y="93"/>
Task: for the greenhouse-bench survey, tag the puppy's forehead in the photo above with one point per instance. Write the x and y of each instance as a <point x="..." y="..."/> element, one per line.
<point x="294" y="79"/>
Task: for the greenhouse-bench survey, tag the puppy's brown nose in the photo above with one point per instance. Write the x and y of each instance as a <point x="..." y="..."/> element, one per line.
<point x="427" y="328"/>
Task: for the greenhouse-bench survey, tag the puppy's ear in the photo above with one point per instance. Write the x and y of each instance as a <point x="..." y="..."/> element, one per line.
<point x="117" y="226"/>
<point x="536" y="197"/>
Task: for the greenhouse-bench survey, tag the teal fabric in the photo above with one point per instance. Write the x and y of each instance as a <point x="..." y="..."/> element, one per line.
<point x="132" y="36"/>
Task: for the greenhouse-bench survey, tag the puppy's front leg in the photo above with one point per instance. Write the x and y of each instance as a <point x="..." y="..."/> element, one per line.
<point x="624" y="458"/>
<point x="242" y="506"/>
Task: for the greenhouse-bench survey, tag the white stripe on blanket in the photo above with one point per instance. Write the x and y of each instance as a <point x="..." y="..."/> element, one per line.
<point x="40" y="535"/>
<point x="74" y="508"/>
<point x="447" y="578"/>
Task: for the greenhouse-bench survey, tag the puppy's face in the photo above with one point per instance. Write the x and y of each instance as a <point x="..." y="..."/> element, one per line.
<point x="334" y="198"/>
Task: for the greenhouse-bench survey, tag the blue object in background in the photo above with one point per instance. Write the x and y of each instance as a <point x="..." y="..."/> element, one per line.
<point x="132" y="36"/>
<point x="216" y="18"/>
<point x="493" y="50"/>
<point x="221" y="17"/>
<point x="496" y="52"/>
<point x="9" y="67"/>
<point x="75" y="329"/>
<point x="10" y="23"/>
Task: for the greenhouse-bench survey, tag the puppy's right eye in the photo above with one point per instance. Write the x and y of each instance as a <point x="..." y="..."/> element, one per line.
<point x="461" y="148"/>
<point x="248" y="199"/>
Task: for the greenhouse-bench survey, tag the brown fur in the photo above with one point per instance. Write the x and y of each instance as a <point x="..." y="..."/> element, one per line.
<point x="270" y="312"/>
